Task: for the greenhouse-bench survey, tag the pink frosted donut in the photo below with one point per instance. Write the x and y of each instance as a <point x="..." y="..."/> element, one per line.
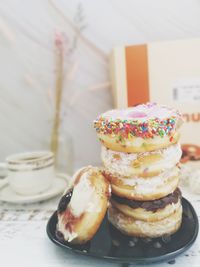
<point x="142" y="128"/>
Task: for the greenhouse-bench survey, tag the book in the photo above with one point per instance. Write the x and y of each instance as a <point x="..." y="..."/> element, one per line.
<point x="164" y="72"/>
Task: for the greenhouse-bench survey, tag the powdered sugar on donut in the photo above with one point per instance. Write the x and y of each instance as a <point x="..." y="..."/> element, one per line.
<point x="84" y="198"/>
<point x="68" y="235"/>
<point x="120" y="163"/>
<point x="150" y="184"/>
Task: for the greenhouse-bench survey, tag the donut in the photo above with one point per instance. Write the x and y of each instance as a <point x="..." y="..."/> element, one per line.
<point x="140" y="228"/>
<point x="141" y="164"/>
<point x="143" y="128"/>
<point x="145" y="188"/>
<point x="148" y="211"/>
<point x="190" y="152"/>
<point x="83" y="206"/>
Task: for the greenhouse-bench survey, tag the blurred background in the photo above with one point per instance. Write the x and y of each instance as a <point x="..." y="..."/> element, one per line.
<point x="55" y="66"/>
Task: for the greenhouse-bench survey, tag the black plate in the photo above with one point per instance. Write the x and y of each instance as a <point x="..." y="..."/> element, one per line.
<point x="110" y="244"/>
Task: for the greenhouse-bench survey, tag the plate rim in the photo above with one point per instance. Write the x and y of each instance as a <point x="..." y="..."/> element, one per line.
<point x="36" y="198"/>
<point x="149" y="260"/>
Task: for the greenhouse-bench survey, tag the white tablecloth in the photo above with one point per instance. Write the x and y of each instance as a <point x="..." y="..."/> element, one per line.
<point x="23" y="240"/>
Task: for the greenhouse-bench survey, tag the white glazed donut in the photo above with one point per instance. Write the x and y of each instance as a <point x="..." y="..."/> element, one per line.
<point x="145" y="188"/>
<point x="134" y="227"/>
<point x="138" y="129"/>
<point x="142" y="164"/>
<point x="149" y="211"/>
<point x="82" y="208"/>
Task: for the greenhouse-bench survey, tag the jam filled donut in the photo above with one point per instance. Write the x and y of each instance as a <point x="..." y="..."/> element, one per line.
<point x="149" y="211"/>
<point x="138" y="129"/>
<point x="143" y="164"/>
<point x="83" y="207"/>
<point x="150" y="220"/>
<point x="145" y="188"/>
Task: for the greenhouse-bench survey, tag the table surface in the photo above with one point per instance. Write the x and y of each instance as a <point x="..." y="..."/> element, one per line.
<point x="23" y="239"/>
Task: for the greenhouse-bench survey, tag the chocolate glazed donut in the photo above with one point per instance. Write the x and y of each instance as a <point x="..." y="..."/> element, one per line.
<point x="148" y="211"/>
<point x="153" y="205"/>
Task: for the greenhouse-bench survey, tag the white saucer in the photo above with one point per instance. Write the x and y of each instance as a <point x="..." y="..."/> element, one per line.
<point x="59" y="185"/>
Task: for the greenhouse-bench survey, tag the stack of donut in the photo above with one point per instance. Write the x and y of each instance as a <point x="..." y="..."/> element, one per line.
<point x="140" y="153"/>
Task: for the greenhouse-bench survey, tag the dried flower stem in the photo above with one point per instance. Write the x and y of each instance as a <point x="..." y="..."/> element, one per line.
<point x="74" y="27"/>
<point x="58" y="93"/>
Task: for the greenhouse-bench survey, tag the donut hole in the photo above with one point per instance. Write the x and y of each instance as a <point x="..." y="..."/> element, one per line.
<point x="136" y="114"/>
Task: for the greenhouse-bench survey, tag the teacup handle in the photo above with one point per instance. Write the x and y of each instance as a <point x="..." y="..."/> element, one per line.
<point x="3" y="174"/>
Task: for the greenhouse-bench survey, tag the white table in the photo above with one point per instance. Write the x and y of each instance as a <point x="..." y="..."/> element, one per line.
<point x="23" y="240"/>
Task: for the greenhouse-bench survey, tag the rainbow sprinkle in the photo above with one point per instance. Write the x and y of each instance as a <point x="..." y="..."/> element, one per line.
<point x="133" y="128"/>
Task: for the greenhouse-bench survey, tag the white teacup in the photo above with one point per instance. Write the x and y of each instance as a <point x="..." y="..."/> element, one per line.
<point x="30" y="173"/>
